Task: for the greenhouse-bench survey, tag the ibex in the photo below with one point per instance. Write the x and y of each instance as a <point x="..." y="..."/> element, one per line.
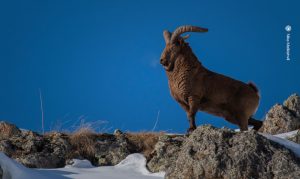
<point x="195" y="87"/>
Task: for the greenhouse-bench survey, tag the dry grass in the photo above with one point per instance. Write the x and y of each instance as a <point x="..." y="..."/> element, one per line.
<point x="71" y="125"/>
<point x="84" y="139"/>
<point x="83" y="142"/>
<point x="144" y="142"/>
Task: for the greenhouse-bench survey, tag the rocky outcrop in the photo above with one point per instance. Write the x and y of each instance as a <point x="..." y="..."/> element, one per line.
<point x="283" y="118"/>
<point x="223" y="153"/>
<point x="37" y="151"/>
<point x="111" y="150"/>
<point x="55" y="149"/>
<point x="8" y="130"/>
<point x="165" y="152"/>
<point x="100" y="149"/>
<point x="207" y="153"/>
<point x="293" y="104"/>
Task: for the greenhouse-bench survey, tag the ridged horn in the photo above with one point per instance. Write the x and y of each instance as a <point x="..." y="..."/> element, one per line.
<point x="186" y="28"/>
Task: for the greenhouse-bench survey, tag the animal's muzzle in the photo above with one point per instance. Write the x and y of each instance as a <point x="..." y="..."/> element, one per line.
<point x="164" y="62"/>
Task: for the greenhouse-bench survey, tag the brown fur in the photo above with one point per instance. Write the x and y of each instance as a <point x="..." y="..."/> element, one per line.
<point x="195" y="88"/>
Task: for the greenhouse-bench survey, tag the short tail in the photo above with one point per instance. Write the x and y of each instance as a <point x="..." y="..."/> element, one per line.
<point x="253" y="86"/>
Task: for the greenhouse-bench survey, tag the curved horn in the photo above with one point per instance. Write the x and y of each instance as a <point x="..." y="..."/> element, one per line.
<point x="187" y="28"/>
<point x="167" y="36"/>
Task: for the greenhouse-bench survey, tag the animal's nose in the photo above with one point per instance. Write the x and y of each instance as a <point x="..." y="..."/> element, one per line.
<point x="163" y="61"/>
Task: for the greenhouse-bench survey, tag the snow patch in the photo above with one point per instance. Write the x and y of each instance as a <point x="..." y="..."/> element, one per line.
<point x="13" y="170"/>
<point x="133" y="167"/>
<point x="76" y="163"/>
<point x="137" y="162"/>
<point x="287" y="134"/>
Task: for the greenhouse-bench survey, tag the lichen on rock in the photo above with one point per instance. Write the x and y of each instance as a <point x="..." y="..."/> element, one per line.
<point x="165" y="152"/>
<point x="283" y="118"/>
<point x="222" y="153"/>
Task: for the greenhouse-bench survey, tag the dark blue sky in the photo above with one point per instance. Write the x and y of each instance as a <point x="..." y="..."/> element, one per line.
<point x="100" y="59"/>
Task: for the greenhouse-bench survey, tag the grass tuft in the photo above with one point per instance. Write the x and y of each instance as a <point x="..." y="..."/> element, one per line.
<point x="144" y="142"/>
<point x="83" y="142"/>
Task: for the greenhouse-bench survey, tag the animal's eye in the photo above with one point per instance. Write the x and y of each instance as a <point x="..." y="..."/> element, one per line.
<point x="172" y="48"/>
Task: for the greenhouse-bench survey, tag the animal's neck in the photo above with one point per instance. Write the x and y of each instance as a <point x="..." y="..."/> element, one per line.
<point x="185" y="64"/>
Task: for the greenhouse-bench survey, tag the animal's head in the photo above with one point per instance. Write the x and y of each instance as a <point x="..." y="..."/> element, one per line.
<point x="176" y="45"/>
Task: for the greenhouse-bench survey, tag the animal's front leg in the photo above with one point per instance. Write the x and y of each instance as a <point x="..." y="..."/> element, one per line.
<point x="191" y="118"/>
<point x="191" y="114"/>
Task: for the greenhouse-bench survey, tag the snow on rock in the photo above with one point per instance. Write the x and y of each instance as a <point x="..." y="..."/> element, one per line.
<point x="287" y="135"/>
<point x="281" y="139"/>
<point x="137" y="162"/>
<point x="133" y="167"/>
<point x="165" y="152"/>
<point x="76" y="163"/>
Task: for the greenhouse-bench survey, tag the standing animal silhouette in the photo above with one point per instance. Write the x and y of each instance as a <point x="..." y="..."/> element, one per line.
<point x="195" y="87"/>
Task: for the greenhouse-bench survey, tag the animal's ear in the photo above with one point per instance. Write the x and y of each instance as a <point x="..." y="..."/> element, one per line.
<point x="167" y="36"/>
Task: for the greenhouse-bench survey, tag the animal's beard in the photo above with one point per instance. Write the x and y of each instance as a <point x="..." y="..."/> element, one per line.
<point x="169" y="67"/>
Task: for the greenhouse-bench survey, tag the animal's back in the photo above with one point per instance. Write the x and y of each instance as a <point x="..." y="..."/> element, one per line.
<point x="224" y="96"/>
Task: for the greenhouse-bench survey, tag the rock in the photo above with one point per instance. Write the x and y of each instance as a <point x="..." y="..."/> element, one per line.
<point x="280" y="119"/>
<point x="293" y="104"/>
<point x="75" y="163"/>
<point x="37" y="151"/>
<point x="283" y="118"/>
<point x="223" y="153"/>
<point x="53" y="150"/>
<point x="30" y="142"/>
<point x="100" y="149"/>
<point x="111" y="150"/>
<point x="59" y="144"/>
<point x="42" y="151"/>
<point x="6" y="147"/>
<point x="8" y="130"/>
<point x="165" y="153"/>
<point x="41" y="160"/>
<point x="1" y="172"/>
<point x="295" y="138"/>
<point x="118" y="132"/>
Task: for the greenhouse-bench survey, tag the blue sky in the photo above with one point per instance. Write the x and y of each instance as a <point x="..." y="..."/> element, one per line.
<point x="100" y="59"/>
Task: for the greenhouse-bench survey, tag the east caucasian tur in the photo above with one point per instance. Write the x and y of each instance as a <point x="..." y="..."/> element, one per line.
<point x="195" y="87"/>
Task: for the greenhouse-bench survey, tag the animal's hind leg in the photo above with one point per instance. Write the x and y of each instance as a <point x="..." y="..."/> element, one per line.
<point x="242" y="121"/>
<point x="255" y="123"/>
<point x="243" y="126"/>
